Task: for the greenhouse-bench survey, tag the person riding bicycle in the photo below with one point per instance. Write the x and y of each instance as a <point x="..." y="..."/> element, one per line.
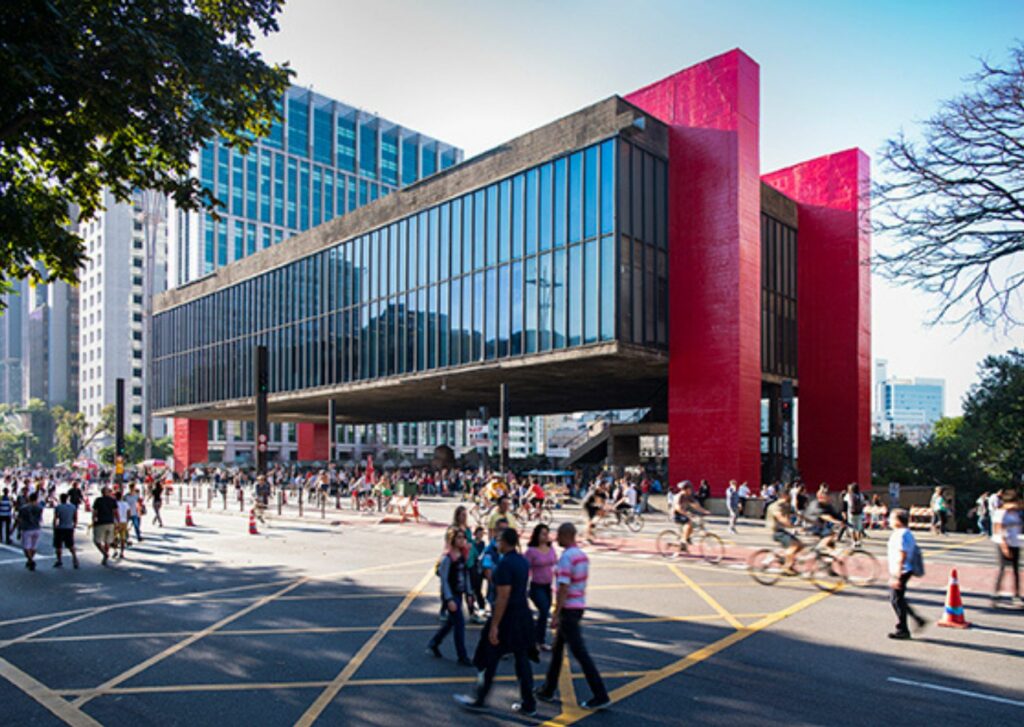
<point x="593" y="504"/>
<point x="823" y="518"/>
<point x="778" y="519"/>
<point x="625" y="500"/>
<point x="683" y="504"/>
<point x="535" y="496"/>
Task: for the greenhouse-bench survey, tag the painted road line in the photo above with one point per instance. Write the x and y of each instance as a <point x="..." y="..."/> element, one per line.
<point x="707" y="597"/>
<point x="958" y="692"/>
<point x="41" y="693"/>
<point x="174" y="649"/>
<point x="346" y="674"/>
<point x="704" y="653"/>
<point x="955" y="546"/>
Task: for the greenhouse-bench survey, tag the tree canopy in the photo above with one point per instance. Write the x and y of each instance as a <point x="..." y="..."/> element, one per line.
<point x="953" y="201"/>
<point x="99" y="94"/>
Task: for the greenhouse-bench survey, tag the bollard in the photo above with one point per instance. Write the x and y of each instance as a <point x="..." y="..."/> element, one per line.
<point x="179" y="495"/>
<point x="323" y="507"/>
<point x="300" y="502"/>
<point x="209" y="498"/>
<point x="224" y="494"/>
<point x="241" y="500"/>
<point x="279" y="498"/>
<point x="337" y="500"/>
<point x="194" y="493"/>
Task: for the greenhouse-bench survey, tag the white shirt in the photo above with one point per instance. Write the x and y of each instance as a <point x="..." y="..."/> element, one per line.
<point x="630" y="496"/>
<point x="122" y="511"/>
<point x="744" y="491"/>
<point x="1009" y="530"/>
<point x="901" y="541"/>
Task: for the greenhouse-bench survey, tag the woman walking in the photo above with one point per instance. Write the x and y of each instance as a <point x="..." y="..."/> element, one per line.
<point x="452" y="572"/>
<point x="938" y="507"/>
<point x="1006" y="527"/>
<point x="541" y="556"/>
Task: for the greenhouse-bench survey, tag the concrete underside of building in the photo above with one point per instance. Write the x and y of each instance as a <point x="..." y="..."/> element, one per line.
<point x="736" y="331"/>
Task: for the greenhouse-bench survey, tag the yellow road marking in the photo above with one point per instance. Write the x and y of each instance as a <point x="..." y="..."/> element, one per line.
<point x="707" y="597"/>
<point x="346" y="674"/>
<point x="954" y="546"/>
<point x="38" y="691"/>
<point x="657" y="675"/>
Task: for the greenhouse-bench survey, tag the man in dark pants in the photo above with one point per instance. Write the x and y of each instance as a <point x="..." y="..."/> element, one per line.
<point x="571" y="574"/>
<point x="510" y="630"/>
<point x="901" y="552"/>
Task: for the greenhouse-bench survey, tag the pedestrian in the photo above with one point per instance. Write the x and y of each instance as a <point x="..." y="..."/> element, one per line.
<point x="542" y="558"/>
<point x="744" y="495"/>
<point x="104" y="516"/>
<point x="30" y="524"/>
<point x="157" y="498"/>
<point x="6" y="516"/>
<point x="703" y="492"/>
<point x="474" y="567"/>
<point x="939" y="509"/>
<point x="983" y="515"/>
<point x="732" y="504"/>
<point x="1006" y="527"/>
<point x="853" y="503"/>
<point x="570" y="603"/>
<point x="904" y="560"/>
<point x="121" y="526"/>
<point x="452" y="573"/>
<point x="134" y="503"/>
<point x="65" y="517"/>
<point x="508" y="631"/>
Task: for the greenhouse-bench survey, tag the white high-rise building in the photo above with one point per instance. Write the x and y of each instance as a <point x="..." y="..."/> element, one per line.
<point x="111" y="309"/>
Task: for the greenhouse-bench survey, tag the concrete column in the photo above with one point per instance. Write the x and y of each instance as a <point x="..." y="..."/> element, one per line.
<point x="191" y="443"/>
<point x="313" y="441"/>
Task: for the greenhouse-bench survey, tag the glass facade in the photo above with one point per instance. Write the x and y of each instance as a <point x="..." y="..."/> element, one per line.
<point x="563" y="255"/>
<point x="324" y="160"/>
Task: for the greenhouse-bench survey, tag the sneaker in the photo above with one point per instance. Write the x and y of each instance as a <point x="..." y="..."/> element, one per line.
<point x="465" y="661"/>
<point x="469" y="703"/>
<point x="543" y="696"/>
<point x="520" y="708"/>
<point x="433" y="651"/>
<point x="596" y="705"/>
<point x="920" y="623"/>
<point x="105" y="560"/>
<point x="58" y="564"/>
<point x="900" y="635"/>
<point x="545" y="647"/>
<point x="76" y="563"/>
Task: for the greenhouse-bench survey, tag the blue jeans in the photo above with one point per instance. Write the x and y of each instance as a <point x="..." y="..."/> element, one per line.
<point x="135" y="524"/>
<point x="454" y="621"/>
<point x="540" y="596"/>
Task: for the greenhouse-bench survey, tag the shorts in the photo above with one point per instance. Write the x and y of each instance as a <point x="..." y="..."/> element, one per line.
<point x="857" y="522"/>
<point x="537" y="501"/>
<point x="64" y="538"/>
<point x="681" y="519"/>
<point x="591" y="511"/>
<point x="103" y="534"/>
<point x="30" y="539"/>
<point x="785" y="539"/>
<point x="121" y="531"/>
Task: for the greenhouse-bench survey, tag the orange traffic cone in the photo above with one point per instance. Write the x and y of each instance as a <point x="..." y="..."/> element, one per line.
<point x="252" y="523"/>
<point x="953" y="614"/>
<point x="188" y="517"/>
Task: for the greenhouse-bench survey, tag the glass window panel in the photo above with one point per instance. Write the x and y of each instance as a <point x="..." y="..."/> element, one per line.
<point x="251" y="184"/>
<point x="456" y="247"/>
<point x="293" y="193"/>
<point x="265" y="162"/>
<point x="504" y="312"/>
<point x="444" y="242"/>
<point x="432" y="245"/>
<point x="467" y="319"/>
<point x="558" y="292"/>
<point x="531" y="211"/>
<point x="222" y="243"/>
<point x="504" y="221"/>
<point x="298" y="126"/>
<point x="413" y="267"/>
<point x="318" y="196"/>
<point x="323" y="131"/>
<point x="591" y="292"/>
<point x="546" y="301"/>
<point x="575" y="294"/>
<point x="590" y="192"/>
<point x="478" y="317"/>
<point x="409" y="156"/>
<point x="637" y="187"/>
<point x="624" y="195"/>
<point x="608" y="187"/>
<point x="455" y="323"/>
<point x="389" y="157"/>
<point x="492" y="224"/>
<point x="303" y="196"/>
<point x="346" y="144"/>
<point x="328" y="194"/>
<point x="339" y="205"/>
<point x="424" y="250"/>
<point x="364" y="193"/>
<point x="276" y="135"/>
<point x="368" y="148"/>
<point x="532" y="285"/>
<point x="516" y="342"/>
<point x="353" y="201"/>
<point x="478" y="230"/>
<point x="491" y="323"/>
<point x="561" y="210"/>
<point x="637" y="293"/>
<point x="429" y="158"/>
<point x="575" y="186"/>
<point x="421" y="330"/>
<point x="467" y="234"/>
<point x="649" y="233"/>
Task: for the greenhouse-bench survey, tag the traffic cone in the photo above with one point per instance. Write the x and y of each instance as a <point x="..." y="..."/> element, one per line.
<point x="252" y="523"/>
<point x="188" y="517"/>
<point x="953" y="614"/>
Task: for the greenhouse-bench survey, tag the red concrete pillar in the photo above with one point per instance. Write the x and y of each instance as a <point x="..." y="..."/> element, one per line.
<point x="834" y="315"/>
<point x="313" y="441"/>
<point x="191" y="443"/>
<point x="714" y="379"/>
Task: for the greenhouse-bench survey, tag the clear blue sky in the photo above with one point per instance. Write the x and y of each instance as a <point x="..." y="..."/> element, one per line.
<point x="833" y="75"/>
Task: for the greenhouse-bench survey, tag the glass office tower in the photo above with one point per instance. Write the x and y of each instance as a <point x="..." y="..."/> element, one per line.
<point x="562" y="255"/>
<point x="323" y="159"/>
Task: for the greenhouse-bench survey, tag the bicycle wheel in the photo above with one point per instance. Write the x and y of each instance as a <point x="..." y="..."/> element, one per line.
<point x="670" y="543"/>
<point x="635" y="522"/>
<point x="824" y="571"/>
<point x="710" y="548"/>
<point x="546" y="515"/>
<point x="765" y="566"/>
<point x="860" y="567"/>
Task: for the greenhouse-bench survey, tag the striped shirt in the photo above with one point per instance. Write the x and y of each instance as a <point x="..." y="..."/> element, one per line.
<point x="6" y="508"/>
<point x="573" y="569"/>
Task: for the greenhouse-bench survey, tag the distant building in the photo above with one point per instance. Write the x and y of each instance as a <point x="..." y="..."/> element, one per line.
<point x="908" y="407"/>
<point x="12" y="350"/>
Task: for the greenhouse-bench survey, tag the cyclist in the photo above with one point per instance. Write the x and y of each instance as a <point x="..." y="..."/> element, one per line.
<point x="626" y="499"/>
<point x="777" y="520"/>
<point x="684" y="503"/>
<point x="823" y="518"/>
<point x="536" y="496"/>
<point x="593" y="504"/>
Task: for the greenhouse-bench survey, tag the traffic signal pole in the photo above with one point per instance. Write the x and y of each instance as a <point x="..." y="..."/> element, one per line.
<point x="119" y="447"/>
<point x="261" y="386"/>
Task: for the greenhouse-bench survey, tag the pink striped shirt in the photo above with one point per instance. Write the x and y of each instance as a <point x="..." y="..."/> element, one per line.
<point x="573" y="569"/>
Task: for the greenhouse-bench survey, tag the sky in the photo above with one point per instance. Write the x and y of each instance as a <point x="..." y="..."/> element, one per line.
<point x="833" y="75"/>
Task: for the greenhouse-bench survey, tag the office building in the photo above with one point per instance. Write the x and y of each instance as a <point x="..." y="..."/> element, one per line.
<point x="549" y="264"/>
<point x="907" y="407"/>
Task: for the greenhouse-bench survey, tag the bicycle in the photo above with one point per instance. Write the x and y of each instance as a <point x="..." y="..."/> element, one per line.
<point x="703" y="544"/>
<point x="633" y="520"/>
<point x="768" y="565"/>
<point x="527" y="513"/>
<point x="854" y="564"/>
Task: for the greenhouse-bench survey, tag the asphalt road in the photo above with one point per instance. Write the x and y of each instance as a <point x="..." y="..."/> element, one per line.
<point x="325" y="620"/>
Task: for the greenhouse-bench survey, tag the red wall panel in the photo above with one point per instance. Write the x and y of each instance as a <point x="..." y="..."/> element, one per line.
<point x="714" y="380"/>
<point x="190" y="443"/>
<point x="834" y="315"/>
<point x="313" y="442"/>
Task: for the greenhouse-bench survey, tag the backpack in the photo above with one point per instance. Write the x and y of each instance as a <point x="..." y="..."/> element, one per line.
<point x="857" y="504"/>
<point x="917" y="563"/>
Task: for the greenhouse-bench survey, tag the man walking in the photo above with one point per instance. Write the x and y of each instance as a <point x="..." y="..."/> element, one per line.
<point x="65" y="516"/>
<point x="571" y="576"/>
<point x="732" y="503"/>
<point x="104" y="515"/>
<point x="509" y="630"/>
<point x="30" y="525"/>
<point x="903" y="553"/>
<point x="6" y="515"/>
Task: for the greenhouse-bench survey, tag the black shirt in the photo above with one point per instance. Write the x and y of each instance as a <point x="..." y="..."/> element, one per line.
<point x="103" y="510"/>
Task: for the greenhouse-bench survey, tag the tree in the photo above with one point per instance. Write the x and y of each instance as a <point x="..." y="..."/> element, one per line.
<point x="135" y="448"/>
<point x="97" y="94"/>
<point x="954" y="202"/>
<point x="73" y="433"/>
<point x="994" y="413"/>
<point x="892" y="460"/>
